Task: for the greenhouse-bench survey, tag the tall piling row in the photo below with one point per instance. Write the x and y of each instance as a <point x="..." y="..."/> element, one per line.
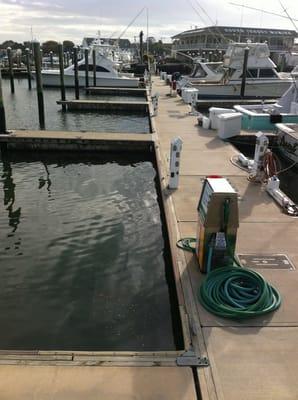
<point x="28" y="66"/>
<point x="39" y="87"/>
<point x="10" y="66"/>
<point x="86" y="52"/>
<point x="76" y="72"/>
<point x="61" y="68"/>
<point x="94" y="66"/>
<point x="2" y="110"/>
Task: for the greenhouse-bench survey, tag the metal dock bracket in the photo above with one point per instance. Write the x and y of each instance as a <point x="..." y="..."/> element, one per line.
<point x="189" y="359"/>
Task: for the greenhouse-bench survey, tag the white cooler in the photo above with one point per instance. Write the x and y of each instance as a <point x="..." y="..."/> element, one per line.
<point x="229" y="125"/>
<point x="187" y="93"/>
<point x="214" y="112"/>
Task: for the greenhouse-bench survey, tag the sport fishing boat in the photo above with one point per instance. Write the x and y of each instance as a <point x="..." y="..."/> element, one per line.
<point x="107" y="74"/>
<point x="287" y="140"/>
<point x="281" y="117"/>
<point x="265" y="116"/>
<point x="203" y="72"/>
<point x="262" y="79"/>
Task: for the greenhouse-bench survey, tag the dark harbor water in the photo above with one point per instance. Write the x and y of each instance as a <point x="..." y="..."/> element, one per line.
<point x="84" y="261"/>
<point x="22" y="112"/>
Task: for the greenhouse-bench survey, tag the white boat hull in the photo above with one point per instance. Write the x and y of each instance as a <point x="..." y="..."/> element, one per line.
<point x="52" y="79"/>
<point x="287" y="140"/>
<point x="273" y="89"/>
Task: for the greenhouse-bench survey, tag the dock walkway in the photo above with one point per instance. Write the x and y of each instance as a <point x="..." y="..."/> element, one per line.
<point x="251" y="360"/>
<point x="255" y="359"/>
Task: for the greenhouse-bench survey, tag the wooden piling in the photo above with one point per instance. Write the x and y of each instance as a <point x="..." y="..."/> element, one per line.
<point x="141" y="47"/>
<point x="243" y="82"/>
<point x="2" y="110"/>
<point x="94" y="66"/>
<point x="9" y="55"/>
<point x="61" y="68"/>
<point x="27" y="51"/>
<point x="39" y="88"/>
<point x="86" y="51"/>
<point x="67" y="58"/>
<point x="76" y="72"/>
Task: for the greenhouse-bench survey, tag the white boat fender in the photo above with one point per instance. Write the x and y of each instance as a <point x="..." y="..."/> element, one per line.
<point x="206" y="122"/>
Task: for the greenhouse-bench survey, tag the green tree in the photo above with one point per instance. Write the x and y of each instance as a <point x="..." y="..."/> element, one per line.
<point x="68" y="45"/>
<point x="10" y="43"/>
<point x="160" y="49"/>
<point x="50" y="45"/>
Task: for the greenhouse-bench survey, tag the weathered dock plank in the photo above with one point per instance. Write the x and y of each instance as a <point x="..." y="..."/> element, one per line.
<point x="90" y="383"/>
<point x="105" y="105"/>
<point x="77" y="141"/>
<point x="119" y="91"/>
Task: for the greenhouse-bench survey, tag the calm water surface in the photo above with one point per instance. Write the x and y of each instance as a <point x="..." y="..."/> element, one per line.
<point x="22" y="112"/>
<point x="83" y="259"/>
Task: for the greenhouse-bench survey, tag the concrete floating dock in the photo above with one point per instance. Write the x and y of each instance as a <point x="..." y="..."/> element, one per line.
<point x="111" y="106"/>
<point x="116" y="91"/>
<point x="77" y="141"/>
<point x="94" y="383"/>
<point x="255" y="359"/>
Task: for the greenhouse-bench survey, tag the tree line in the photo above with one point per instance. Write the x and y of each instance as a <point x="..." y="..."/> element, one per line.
<point x="47" y="46"/>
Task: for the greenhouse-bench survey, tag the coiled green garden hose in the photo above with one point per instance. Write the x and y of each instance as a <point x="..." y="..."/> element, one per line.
<point x="238" y="293"/>
<point x="233" y="291"/>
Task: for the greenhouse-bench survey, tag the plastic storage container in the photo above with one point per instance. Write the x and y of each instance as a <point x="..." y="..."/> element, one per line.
<point x="206" y="123"/>
<point x="229" y="125"/>
<point x="214" y="112"/>
<point x="187" y="94"/>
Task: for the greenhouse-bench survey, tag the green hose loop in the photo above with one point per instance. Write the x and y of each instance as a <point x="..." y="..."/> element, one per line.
<point x="238" y="293"/>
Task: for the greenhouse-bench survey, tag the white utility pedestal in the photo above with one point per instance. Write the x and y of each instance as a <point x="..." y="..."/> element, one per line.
<point x="176" y="147"/>
<point x="260" y="151"/>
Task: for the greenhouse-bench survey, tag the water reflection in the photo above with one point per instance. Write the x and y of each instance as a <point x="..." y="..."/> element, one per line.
<point x="47" y="181"/>
<point x="89" y="266"/>
<point x="9" y="194"/>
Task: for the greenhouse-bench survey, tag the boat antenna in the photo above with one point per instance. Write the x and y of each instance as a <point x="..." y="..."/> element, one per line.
<point x="131" y="22"/>
<point x="204" y="21"/>
<point x="147" y="18"/>
<point x="288" y="15"/>
<point x="264" y="11"/>
<point x="211" y="20"/>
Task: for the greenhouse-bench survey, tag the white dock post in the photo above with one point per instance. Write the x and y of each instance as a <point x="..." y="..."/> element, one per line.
<point x="260" y="150"/>
<point x="193" y="110"/>
<point x="176" y="147"/>
<point x="154" y="99"/>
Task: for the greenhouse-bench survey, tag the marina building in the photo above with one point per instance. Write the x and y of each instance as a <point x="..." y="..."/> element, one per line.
<point x="214" y="40"/>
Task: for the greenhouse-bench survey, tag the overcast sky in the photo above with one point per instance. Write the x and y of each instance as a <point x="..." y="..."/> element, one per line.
<point x="74" y="19"/>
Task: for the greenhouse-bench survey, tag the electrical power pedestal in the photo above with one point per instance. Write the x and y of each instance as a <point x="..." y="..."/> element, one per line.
<point x="218" y="222"/>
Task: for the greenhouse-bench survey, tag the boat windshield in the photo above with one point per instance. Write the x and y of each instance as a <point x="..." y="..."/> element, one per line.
<point x="217" y="68"/>
<point x="198" y="72"/>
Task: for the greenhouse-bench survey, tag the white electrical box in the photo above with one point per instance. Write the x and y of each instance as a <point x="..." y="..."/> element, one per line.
<point x="218" y="222"/>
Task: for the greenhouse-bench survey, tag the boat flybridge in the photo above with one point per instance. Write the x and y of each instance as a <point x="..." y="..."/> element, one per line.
<point x="107" y="73"/>
<point x="262" y="78"/>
